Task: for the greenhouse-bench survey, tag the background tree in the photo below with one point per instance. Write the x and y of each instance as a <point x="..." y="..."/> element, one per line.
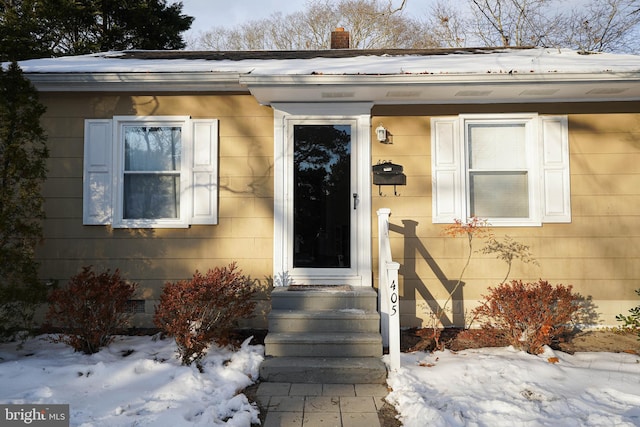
<point x="372" y="24"/>
<point x="591" y="25"/>
<point x="594" y="26"/>
<point x="512" y="22"/>
<point x="32" y="28"/>
<point x="447" y="24"/>
<point x="23" y="156"/>
<point x="21" y="33"/>
<point x="605" y="26"/>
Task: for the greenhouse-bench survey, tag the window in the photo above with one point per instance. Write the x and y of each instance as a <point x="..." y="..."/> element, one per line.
<point x="152" y="166"/>
<point x="511" y="169"/>
<point x="144" y="172"/>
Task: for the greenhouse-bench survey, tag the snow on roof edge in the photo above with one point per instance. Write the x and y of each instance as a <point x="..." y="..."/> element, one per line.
<point x="351" y="62"/>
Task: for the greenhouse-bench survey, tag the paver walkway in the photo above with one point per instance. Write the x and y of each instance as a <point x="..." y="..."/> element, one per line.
<point x="321" y="405"/>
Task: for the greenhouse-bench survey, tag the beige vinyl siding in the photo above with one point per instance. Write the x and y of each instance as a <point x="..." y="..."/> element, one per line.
<point x="598" y="252"/>
<point x="152" y="257"/>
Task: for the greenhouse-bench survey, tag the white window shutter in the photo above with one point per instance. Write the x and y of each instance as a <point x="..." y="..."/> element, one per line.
<point x="446" y="170"/>
<point x="204" y="179"/>
<point x="556" y="201"/>
<point x="97" y="173"/>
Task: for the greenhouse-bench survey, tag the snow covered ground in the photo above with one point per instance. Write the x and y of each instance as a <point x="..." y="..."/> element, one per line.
<point x="503" y="387"/>
<point x="148" y="387"/>
<point x="138" y="381"/>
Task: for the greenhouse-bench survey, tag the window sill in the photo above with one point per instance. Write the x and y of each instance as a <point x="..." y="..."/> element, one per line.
<point x="151" y="224"/>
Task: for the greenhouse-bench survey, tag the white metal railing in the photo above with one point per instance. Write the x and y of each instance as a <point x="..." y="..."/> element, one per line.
<point x="388" y="297"/>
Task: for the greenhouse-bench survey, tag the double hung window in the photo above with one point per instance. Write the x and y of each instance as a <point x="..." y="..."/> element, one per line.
<point x="511" y="169"/>
<point x="150" y="172"/>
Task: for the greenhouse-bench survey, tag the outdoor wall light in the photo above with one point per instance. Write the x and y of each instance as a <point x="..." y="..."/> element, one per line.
<point x="381" y="133"/>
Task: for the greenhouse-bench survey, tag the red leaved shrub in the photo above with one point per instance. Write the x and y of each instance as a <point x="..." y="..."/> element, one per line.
<point x="204" y="309"/>
<point x="91" y="309"/>
<point x="528" y="315"/>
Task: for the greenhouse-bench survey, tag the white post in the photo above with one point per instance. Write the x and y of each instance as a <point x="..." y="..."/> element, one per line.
<point x="383" y="257"/>
<point x="394" y="314"/>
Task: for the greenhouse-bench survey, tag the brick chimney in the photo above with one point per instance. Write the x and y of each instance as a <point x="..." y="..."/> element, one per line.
<point x="339" y="39"/>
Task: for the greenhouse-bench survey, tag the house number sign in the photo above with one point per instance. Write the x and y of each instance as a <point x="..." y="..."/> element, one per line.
<point x="393" y="298"/>
<point x="394" y="315"/>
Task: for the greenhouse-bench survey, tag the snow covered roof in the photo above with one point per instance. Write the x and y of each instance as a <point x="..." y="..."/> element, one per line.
<point x="341" y="62"/>
<point x="382" y="76"/>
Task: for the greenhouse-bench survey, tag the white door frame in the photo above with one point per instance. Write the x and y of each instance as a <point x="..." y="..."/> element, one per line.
<point x="285" y="114"/>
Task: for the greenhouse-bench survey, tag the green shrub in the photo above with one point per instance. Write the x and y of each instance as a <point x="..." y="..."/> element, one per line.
<point x="204" y="309"/>
<point x="632" y="321"/>
<point x="527" y="315"/>
<point x="91" y="309"/>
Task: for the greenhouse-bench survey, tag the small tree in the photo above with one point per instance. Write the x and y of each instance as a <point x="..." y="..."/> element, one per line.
<point x="508" y="250"/>
<point x="474" y="228"/>
<point x="204" y="309"/>
<point x="23" y="156"/>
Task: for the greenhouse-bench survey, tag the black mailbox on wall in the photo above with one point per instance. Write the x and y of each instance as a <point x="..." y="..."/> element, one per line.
<point x="388" y="173"/>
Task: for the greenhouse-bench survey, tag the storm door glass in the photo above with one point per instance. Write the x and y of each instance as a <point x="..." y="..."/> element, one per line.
<point x="322" y="196"/>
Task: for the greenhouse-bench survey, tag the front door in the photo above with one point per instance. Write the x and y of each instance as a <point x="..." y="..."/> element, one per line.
<point x="324" y="233"/>
<point x="324" y="199"/>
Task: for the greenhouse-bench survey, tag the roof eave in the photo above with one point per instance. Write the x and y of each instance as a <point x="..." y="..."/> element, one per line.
<point x="435" y="78"/>
<point x="446" y="88"/>
<point x="380" y="89"/>
<point x="137" y="81"/>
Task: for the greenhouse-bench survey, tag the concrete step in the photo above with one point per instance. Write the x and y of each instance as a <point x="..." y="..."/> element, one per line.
<point x="317" y="344"/>
<point x="354" y="370"/>
<point x="324" y="298"/>
<point x="324" y="334"/>
<point x="345" y="320"/>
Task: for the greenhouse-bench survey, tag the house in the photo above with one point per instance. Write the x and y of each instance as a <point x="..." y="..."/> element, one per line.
<point x="163" y="163"/>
